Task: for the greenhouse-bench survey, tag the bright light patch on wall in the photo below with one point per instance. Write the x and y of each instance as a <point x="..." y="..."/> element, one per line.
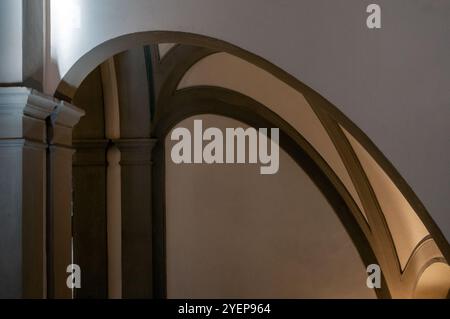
<point x="65" y="23"/>
<point x="67" y="14"/>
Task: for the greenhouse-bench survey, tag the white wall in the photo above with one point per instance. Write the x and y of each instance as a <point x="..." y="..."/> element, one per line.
<point x="393" y="83"/>
<point x="233" y="233"/>
<point x="10" y="41"/>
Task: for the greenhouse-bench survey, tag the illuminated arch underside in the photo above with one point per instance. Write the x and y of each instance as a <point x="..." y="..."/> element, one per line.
<point x="404" y="246"/>
<point x="230" y="72"/>
<point x="414" y="248"/>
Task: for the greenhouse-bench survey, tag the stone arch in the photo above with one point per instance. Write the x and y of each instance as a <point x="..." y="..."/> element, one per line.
<point x="336" y="123"/>
<point x="218" y="101"/>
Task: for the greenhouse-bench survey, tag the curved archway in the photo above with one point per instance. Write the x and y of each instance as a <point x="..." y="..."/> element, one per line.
<point x="336" y="123"/>
<point x="210" y="100"/>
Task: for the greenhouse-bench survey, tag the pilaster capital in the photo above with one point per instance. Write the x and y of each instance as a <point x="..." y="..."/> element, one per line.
<point x="90" y="144"/>
<point x="23" y="112"/>
<point x="66" y="115"/>
<point x="63" y="119"/>
<point x="22" y="100"/>
<point x="90" y="152"/>
<point x="135" y="151"/>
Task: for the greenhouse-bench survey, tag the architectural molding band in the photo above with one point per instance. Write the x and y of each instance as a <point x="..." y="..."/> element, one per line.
<point x="90" y="152"/>
<point x="135" y="151"/>
<point x="23" y="113"/>
<point x="12" y="143"/>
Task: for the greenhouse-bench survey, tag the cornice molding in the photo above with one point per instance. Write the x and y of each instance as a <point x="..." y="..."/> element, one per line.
<point x="135" y="144"/>
<point x="16" y="100"/>
<point x="62" y="120"/>
<point x="26" y="101"/>
<point x="67" y="115"/>
<point x="87" y="144"/>
<point x="90" y="152"/>
<point x="23" y="113"/>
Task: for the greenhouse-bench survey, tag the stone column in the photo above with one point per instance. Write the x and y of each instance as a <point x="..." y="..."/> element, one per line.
<point x="89" y="217"/>
<point x="114" y="221"/>
<point x="135" y="162"/>
<point x="23" y="192"/>
<point x="59" y="210"/>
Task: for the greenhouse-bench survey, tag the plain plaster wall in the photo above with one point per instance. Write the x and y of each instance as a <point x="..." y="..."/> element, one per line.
<point x="10" y="41"/>
<point x="234" y="233"/>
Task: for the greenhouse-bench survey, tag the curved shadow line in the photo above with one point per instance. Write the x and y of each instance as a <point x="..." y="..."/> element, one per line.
<point x="210" y="100"/>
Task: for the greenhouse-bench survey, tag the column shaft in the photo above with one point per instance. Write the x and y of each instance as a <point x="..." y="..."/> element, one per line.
<point x="59" y="220"/>
<point x="59" y="198"/>
<point x="136" y="217"/>
<point x="89" y="217"/>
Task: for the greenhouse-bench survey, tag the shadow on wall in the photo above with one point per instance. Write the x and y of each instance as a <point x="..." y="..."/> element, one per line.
<point x="233" y="233"/>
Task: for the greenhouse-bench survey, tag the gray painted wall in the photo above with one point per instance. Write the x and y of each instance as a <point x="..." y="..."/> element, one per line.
<point x="10" y="41"/>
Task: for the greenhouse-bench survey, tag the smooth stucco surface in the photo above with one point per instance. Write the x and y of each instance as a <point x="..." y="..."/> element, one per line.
<point x="233" y="233"/>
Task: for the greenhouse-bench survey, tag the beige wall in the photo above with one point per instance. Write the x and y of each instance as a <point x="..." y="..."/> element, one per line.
<point x="232" y="232"/>
<point x="221" y="70"/>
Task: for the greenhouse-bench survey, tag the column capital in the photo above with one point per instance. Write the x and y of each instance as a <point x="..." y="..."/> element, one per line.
<point x="90" y="152"/>
<point x="23" y="112"/>
<point x="135" y="151"/>
<point x="82" y="144"/>
<point x="26" y="101"/>
<point x="64" y="117"/>
<point x="136" y="143"/>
